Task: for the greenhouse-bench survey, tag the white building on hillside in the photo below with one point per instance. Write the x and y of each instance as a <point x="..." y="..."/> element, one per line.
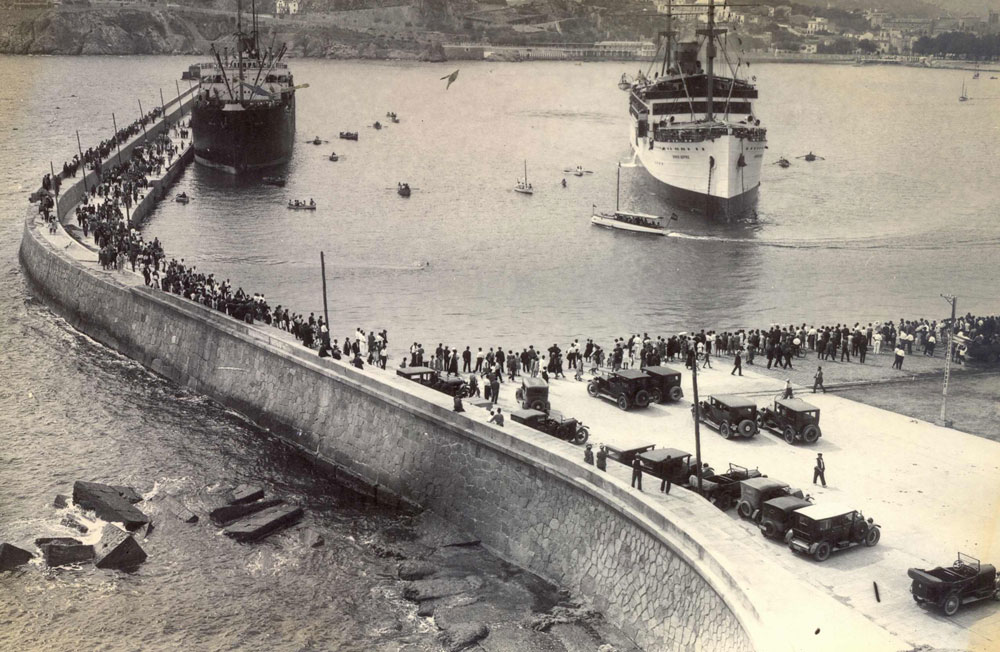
<point x="290" y="7"/>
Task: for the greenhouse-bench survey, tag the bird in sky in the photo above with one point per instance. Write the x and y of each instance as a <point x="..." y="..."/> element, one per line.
<point x="451" y="79"/>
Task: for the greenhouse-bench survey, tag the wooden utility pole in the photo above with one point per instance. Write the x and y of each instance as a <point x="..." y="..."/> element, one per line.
<point x="697" y="416"/>
<point x="326" y="310"/>
<point x="83" y="164"/>
<point x="117" y="141"/>
<point x="142" y="122"/>
<point x="953" y="300"/>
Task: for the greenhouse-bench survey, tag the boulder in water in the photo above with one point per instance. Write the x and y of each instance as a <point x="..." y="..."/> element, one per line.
<point x="128" y="493"/>
<point x="60" y="551"/>
<point x="230" y="513"/>
<point x="11" y="556"/>
<point x="108" y="504"/>
<point x="73" y="522"/>
<point x="246" y="493"/>
<point x="264" y="523"/>
<point x="179" y="511"/>
<point x="118" y="549"/>
<point x="462" y="636"/>
<point x="61" y="500"/>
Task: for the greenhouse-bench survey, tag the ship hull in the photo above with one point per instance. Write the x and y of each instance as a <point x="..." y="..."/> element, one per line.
<point x="239" y="141"/>
<point x="707" y="175"/>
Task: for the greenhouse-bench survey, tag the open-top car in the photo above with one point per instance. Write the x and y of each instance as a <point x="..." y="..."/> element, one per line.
<point x="732" y="415"/>
<point x="664" y="384"/>
<point x="626" y="387"/>
<point x="668" y="464"/>
<point x="948" y="588"/>
<point x="776" y="515"/>
<point x="553" y="424"/>
<point x="792" y="418"/>
<point x="451" y="384"/>
<point x="533" y="394"/>
<point x="818" y="530"/>
<point x="754" y="492"/>
<point x="721" y="489"/>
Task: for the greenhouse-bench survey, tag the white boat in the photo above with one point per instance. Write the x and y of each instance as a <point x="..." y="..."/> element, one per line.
<point x="628" y="221"/>
<point x="522" y="186"/>
<point x="696" y="131"/>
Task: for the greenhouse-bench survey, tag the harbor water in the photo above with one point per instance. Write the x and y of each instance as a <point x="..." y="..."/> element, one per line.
<point x="902" y="209"/>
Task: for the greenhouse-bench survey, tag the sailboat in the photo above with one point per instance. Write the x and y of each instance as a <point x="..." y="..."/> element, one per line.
<point x="627" y="221"/>
<point x="522" y="185"/>
<point x="963" y="97"/>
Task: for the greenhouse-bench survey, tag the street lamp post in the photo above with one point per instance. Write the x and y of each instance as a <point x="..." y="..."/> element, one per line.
<point x="697" y="420"/>
<point x="953" y="300"/>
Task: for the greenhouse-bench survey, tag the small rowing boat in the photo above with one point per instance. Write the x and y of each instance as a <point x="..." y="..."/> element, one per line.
<point x="349" y="135"/>
<point x="301" y="205"/>
<point x="182" y="198"/>
<point x="274" y="181"/>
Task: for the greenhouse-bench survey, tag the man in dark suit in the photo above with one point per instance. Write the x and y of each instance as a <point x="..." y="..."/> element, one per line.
<point x="819" y="471"/>
<point x="466" y="360"/>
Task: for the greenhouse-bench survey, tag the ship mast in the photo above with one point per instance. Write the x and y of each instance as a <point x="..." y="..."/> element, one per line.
<point x="240" y="44"/>
<point x="669" y="34"/>
<point x="709" y="33"/>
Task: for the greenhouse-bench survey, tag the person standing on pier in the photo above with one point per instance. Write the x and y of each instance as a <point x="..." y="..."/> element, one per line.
<point x="588" y="455"/>
<point x="637" y="473"/>
<point x="494" y="387"/>
<point x="788" y="388"/>
<point x="819" y="471"/>
<point x="466" y="360"/>
<point x="602" y="459"/>
<point x="737" y="364"/>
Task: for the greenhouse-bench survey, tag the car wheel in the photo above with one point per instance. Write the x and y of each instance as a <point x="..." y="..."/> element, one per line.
<point x="582" y="435"/>
<point x="769" y="530"/>
<point x="594" y="389"/>
<point x="748" y="428"/>
<point x="744" y="509"/>
<point x="725" y="430"/>
<point x="655" y="396"/>
<point x="538" y="404"/>
<point x="951" y="604"/>
<point x="810" y="434"/>
<point x="918" y="600"/>
<point x="822" y="551"/>
<point x="789" y="434"/>
<point x="641" y="398"/>
<point x="676" y="394"/>
<point x="874" y="534"/>
<point x="623" y="402"/>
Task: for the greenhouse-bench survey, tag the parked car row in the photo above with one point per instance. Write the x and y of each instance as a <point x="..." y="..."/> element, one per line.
<point x="638" y="387"/>
<point x="450" y="384"/>
<point x="736" y="416"/>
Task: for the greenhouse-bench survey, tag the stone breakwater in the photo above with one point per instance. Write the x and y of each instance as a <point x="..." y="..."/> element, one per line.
<point x="669" y="572"/>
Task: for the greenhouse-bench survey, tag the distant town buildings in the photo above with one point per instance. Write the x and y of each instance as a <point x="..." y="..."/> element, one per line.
<point x="286" y="7"/>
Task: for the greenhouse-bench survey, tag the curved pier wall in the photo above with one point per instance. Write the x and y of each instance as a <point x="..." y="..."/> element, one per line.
<point x="514" y="488"/>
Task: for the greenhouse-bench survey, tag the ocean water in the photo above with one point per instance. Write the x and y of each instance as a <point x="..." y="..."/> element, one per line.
<point x="902" y="209"/>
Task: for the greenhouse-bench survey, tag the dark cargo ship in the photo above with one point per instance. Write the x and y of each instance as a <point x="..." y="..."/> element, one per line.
<point x="244" y="115"/>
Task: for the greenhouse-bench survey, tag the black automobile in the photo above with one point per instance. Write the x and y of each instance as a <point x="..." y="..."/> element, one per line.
<point x="732" y="415"/>
<point x="948" y="588"/>
<point x="776" y="515"/>
<point x="450" y="384"/>
<point x="626" y="387"/>
<point x="722" y="489"/>
<point x="668" y="464"/>
<point x="554" y="424"/>
<point x="533" y="394"/>
<point x="793" y="419"/>
<point x="664" y="384"/>
<point x="818" y="530"/>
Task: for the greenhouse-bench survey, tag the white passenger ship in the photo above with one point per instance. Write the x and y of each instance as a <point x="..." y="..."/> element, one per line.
<point x="696" y="131"/>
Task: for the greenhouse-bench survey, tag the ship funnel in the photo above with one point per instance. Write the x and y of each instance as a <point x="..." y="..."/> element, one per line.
<point x="687" y="57"/>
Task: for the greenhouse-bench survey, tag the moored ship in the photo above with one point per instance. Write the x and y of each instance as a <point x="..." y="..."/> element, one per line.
<point x="244" y="115"/>
<point x="696" y="131"/>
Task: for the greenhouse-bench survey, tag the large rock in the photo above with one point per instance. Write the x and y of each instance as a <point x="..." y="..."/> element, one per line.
<point x="128" y="493"/>
<point x="264" y="523"/>
<point x="246" y="493"/>
<point x="118" y="550"/>
<point x="416" y="570"/>
<point x="59" y="551"/>
<point x="61" y="500"/>
<point x="108" y="504"/>
<point x="11" y="556"/>
<point x="460" y="637"/>
<point x="179" y="511"/>
<point x="230" y="513"/>
<point x="73" y="522"/>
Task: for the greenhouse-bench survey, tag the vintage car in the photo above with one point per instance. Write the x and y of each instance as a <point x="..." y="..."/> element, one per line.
<point x="792" y="418"/>
<point x="533" y="394"/>
<point x="732" y="415"/>
<point x="965" y="581"/>
<point x="453" y="385"/>
<point x="553" y="424"/>
<point x="721" y="489"/>
<point x="818" y="530"/>
<point x="627" y="387"/>
<point x="668" y="464"/>
<point x="775" y="515"/>
<point x="664" y="384"/>
<point x="754" y="492"/>
<point x="626" y="455"/>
